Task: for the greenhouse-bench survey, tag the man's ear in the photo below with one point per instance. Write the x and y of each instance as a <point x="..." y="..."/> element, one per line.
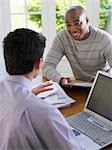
<point x="87" y="19"/>
<point x="39" y="64"/>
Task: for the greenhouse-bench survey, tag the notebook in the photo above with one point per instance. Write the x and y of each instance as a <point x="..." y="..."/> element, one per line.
<point x="95" y="122"/>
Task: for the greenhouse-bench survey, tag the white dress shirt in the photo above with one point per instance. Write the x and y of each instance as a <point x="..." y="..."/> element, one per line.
<point x="28" y="123"/>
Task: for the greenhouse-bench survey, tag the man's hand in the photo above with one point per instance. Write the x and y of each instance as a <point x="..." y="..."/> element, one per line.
<point x="43" y="87"/>
<point x="65" y="81"/>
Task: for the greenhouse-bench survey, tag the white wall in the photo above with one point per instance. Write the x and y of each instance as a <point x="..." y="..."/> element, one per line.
<point x="4" y="29"/>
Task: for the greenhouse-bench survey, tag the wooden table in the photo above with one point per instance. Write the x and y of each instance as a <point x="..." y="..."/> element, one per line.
<point x="80" y="95"/>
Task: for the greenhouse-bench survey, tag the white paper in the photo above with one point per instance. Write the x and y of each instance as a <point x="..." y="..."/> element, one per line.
<point x="81" y="84"/>
<point x="56" y="97"/>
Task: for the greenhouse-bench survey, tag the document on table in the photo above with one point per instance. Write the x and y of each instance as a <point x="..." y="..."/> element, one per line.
<point x="56" y="97"/>
<point x="80" y="84"/>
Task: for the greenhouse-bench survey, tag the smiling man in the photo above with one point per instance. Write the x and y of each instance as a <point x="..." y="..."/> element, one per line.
<point x="76" y="22"/>
<point x="87" y="49"/>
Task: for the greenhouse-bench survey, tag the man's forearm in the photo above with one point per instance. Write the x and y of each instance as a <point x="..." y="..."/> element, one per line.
<point x="51" y="73"/>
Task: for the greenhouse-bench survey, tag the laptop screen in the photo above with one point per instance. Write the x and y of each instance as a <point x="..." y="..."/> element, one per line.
<point x="100" y="100"/>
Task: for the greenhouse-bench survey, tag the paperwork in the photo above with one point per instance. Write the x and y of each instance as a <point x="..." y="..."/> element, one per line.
<point x="81" y="84"/>
<point x="56" y="97"/>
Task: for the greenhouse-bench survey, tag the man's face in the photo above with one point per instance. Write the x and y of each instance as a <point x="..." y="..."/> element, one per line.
<point x="77" y="25"/>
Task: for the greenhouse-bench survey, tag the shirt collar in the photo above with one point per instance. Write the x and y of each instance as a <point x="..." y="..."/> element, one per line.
<point x="19" y="79"/>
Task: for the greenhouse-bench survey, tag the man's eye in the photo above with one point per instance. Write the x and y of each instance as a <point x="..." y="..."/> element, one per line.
<point x="76" y="23"/>
<point x="68" y="25"/>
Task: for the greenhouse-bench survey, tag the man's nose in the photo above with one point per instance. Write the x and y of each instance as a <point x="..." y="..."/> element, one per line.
<point x="74" y="28"/>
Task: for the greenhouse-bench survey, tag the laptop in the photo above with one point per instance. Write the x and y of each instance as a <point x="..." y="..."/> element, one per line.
<point x="95" y="122"/>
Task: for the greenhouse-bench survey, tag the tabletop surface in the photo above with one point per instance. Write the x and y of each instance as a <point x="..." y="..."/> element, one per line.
<point x="80" y="95"/>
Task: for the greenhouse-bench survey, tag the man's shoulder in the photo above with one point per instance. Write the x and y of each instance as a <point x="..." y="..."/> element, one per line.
<point x="38" y="105"/>
<point x="41" y="110"/>
<point x="62" y="36"/>
<point x="62" y="33"/>
<point x="101" y="33"/>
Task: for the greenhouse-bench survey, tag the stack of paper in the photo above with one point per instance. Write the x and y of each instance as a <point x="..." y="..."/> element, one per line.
<point x="56" y="97"/>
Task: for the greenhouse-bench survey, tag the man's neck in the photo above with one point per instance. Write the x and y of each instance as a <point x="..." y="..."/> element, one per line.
<point x="30" y="76"/>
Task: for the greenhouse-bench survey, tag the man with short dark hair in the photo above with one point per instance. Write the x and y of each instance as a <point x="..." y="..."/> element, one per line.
<point x="87" y="49"/>
<point x="26" y="121"/>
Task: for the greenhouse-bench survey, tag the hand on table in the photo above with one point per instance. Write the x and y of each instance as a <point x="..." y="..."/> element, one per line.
<point x="43" y="87"/>
<point x="65" y="81"/>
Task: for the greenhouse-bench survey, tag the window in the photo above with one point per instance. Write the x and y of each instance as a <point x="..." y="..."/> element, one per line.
<point x="26" y="13"/>
<point x="38" y="15"/>
<point x="106" y="15"/>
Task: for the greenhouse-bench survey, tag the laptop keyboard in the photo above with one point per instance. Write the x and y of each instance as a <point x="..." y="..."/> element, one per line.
<point x="97" y="134"/>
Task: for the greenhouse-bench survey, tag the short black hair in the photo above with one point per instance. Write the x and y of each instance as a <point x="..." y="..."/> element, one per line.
<point x="76" y="8"/>
<point x="22" y="48"/>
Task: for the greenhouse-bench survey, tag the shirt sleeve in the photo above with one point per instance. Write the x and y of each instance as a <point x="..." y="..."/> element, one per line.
<point x="50" y="127"/>
<point x="57" y="133"/>
<point x="52" y="59"/>
<point x="108" y="53"/>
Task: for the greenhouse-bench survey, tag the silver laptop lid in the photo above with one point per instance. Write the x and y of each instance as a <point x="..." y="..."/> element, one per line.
<point x="99" y="101"/>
